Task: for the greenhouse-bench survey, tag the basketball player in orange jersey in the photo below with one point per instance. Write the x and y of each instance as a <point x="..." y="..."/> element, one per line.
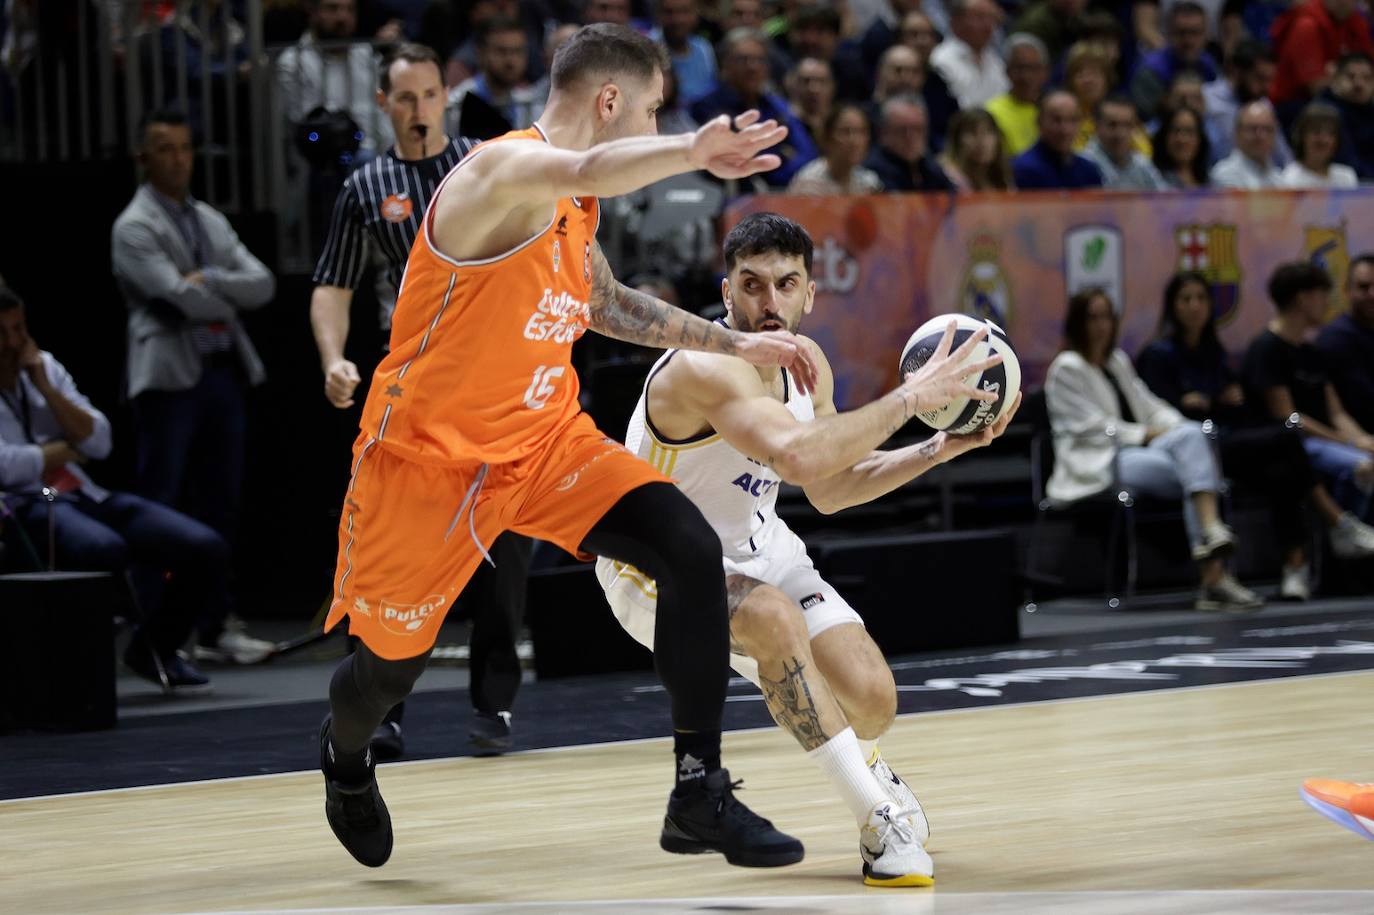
<point x="472" y="427"/>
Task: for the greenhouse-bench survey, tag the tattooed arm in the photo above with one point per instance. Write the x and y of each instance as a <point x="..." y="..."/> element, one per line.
<point x="627" y="314"/>
<point x="880" y="472"/>
<point x="636" y="317"/>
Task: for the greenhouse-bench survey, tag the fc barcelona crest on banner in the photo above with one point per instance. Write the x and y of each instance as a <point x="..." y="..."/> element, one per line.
<point x="1211" y="251"/>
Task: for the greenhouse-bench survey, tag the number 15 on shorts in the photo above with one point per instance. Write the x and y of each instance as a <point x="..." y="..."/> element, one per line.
<point x="541" y="386"/>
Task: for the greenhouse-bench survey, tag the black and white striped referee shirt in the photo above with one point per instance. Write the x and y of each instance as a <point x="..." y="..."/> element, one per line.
<point x="378" y="211"/>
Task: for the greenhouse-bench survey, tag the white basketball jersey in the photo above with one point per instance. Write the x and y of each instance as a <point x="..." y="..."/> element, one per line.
<point x="737" y="494"/>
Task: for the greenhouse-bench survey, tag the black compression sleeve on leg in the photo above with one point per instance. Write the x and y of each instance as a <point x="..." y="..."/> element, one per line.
<point x="659" y="531"/>
<point x="363" y="690"/>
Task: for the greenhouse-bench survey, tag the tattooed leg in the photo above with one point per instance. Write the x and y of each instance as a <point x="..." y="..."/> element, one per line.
<point x="769" y="627"/>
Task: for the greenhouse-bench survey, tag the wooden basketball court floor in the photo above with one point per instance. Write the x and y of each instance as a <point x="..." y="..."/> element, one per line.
<point x="1172" y="801"/>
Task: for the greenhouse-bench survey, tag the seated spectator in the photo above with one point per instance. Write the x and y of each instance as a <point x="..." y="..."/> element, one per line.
<point x="1347" y="344"/>
<point x="217" y="52"/>
<point x="968" y="59"/>
<point x="899" y="73"/>
<point x="323" y="70"/>
<point x="539" y="91"/>
<point x="673" y="117"/>
<point x="1186" y="31"/>
<point x="451" y="27"/>
<point x="694" y="61"/>
<point x="844" y="146"/>
<point x="1287" y="379"/>
<point x="811" y="93"/>
<point x="814" y="31"/>
<point x="1308" y="40"/>
<point x="1089" y="76"/>
<point x="1057" y="23"/>
<point x="1316" y="136"/>
<point x="901" y="159"/>
<point x="1051" y="163"/>
<point x="1109" y="429"/>
<point x="1017" y="111"/>
<point x="744" y="86"/>
<point x="1249" y="72"/>
<point x="1250" y="166"/>
<point x="615" y="12"/>
<point x="1187" y="366"/>
<point x="974" y="158"/>
<point x="1113" y="150"/>
<point x="48" y="429"/>
<point x="1102" y="30"/>
<point x="1185" y="91"/>
<point x="856" y="58"/>
<point x="501" y="53"/>
<point x="1352" y="93"/>
<point x="1180" y="150"/>
<point x="917" y="33"/>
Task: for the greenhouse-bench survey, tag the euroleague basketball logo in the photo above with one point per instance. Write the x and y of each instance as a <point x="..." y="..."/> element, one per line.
<point x="408" y="619"/>
<point x="397" y="208"/>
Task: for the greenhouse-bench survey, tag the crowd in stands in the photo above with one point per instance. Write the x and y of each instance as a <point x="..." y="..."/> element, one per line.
<point x="1284" y="92"/>
<point x="1290" y="418"/>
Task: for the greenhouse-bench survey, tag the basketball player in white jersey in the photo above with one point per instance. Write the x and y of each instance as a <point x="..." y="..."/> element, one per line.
<point x="728" y="433"/>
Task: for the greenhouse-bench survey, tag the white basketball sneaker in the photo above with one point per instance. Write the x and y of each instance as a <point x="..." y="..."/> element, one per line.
<point x="901" y="795"/>
<point x="892" y="854"/>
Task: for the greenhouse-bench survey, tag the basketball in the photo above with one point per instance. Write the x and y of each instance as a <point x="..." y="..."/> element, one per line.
<point x="962" y="415"/>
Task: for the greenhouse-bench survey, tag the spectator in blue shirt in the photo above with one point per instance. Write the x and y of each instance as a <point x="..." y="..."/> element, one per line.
<point x="1347" y="344"/>
<point x="1051" y="163"/>
<point x="694" y="63"/>
<point x="744" y="85"/>
<point x="1186" y="33"/>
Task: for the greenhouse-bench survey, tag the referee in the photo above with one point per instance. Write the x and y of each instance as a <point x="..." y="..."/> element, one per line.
<point x="379" y="210"/>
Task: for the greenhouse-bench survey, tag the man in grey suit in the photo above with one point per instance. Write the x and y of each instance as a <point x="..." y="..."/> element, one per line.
<point x="186" y="278"/>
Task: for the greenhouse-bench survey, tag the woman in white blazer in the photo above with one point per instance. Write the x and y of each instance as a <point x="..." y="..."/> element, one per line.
<point x="1109" y="429"/>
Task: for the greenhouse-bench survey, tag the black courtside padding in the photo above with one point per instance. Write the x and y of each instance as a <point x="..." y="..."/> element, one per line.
<point x="59" y="669"/>
<point x="918" y="592"/>
<point x="573" y="629"/>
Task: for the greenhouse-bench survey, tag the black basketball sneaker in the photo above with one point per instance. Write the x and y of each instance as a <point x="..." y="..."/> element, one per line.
<point x="356" y="812"/>
<point x="490" y="734"/>
<point x="706" y="817"/>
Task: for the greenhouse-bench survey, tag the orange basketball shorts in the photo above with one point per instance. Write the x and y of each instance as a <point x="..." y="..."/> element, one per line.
<point x="408" y="543"/>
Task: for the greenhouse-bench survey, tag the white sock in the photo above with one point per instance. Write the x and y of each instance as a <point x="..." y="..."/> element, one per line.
<point x="869" y="748"/>
<point x="843" y="763"/>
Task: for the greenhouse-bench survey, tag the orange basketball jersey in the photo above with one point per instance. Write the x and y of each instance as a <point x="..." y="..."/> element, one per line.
<point x="480" y="363"/>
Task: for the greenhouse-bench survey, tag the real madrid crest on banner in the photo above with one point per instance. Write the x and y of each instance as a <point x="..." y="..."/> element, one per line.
<point x="985" y="293"/>
<point x="1211" y="251"/>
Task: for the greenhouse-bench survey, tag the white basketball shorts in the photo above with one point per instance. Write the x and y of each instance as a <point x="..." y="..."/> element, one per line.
<point x="784" y="564"/>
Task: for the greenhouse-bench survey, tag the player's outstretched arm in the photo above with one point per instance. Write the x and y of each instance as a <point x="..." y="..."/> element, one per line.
<point x="530" y="172"/>
<point x="731" y="398"/>
<point x="880" y="472"/>
<point x="636" y="317"/>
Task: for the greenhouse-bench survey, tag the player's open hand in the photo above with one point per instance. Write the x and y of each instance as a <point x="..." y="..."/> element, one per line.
<point x="944" y="376"/>
<point x="736" y="153"/>
<point x="340" y="381"/>
<point x="778" y="347"/>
